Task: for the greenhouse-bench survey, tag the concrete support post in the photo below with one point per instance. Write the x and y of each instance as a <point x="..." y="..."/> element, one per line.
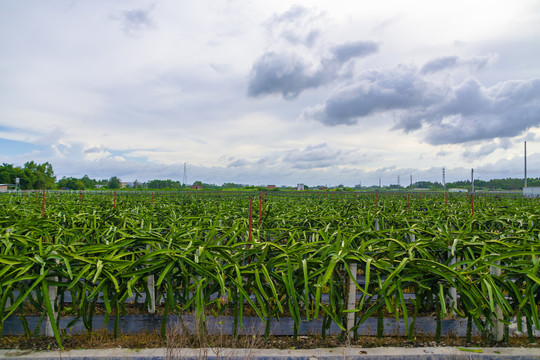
<point x="351" y="302"/>
<point x="152" y="292"/>
<point x="53" y="291"/>
<point x="452" y="291"/>
<point x="498" y="325"/>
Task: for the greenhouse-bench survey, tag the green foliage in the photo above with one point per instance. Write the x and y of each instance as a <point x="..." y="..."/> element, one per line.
<point x="32" y="175"/>
<point x="164" y="184"/>
<point x="71" y="183"/>
<point x="297" y="262"/>
<point x="114" y="183"/>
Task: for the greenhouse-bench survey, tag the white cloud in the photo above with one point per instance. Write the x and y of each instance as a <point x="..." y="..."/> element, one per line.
<point x="260" y="93"/>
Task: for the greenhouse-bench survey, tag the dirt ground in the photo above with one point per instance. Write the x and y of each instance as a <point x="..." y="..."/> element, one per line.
<point x="104" y="339"/>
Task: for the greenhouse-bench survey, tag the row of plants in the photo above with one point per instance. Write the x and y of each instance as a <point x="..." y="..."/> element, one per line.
<point x="209" y="257"/>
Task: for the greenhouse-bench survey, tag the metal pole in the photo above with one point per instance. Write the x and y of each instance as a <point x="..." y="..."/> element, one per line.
<point x="472" y="181"/>
<point x="443" y="180"/>
<point x="525" y="181"/>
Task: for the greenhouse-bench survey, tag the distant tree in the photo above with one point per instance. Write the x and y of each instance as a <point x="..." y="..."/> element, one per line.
<point x="232" y="186"/>
<point x="32" y="175"/>
<point x="71" y="183"/>
<point x="114" y="183"/>
<point x="164" y="184"/>
<point x="8" y="174"/>
<point x="88" y="183"/>
<point x="38" y="176"/>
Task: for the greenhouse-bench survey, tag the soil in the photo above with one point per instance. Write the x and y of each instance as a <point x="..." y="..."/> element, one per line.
<point x="104" y="340"/>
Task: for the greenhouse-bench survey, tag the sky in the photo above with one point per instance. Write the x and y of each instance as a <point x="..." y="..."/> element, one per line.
<point x="272" y="92"/>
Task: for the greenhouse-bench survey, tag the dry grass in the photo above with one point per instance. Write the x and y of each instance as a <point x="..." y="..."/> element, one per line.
<point x="218" y="345"/>
<point x="177" y="340"/>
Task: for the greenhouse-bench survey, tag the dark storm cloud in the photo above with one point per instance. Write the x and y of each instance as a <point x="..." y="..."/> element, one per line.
<point x="472" y="111"/>
<point x="375" y="91"/>
<point x="286" y="69"/>
<point x="287" y="73"/>
<point x="136" y="20"/>
<point x="447" y="114"/>
<point x="284" y="73"/>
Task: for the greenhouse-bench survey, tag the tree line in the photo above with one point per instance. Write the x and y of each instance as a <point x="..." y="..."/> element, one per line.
<point x="34" y="176"/>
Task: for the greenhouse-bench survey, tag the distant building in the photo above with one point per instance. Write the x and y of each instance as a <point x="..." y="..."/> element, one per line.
<point x="300" y="187"/>
<point x="531" y="192"/>
<point x="322" y="188"/>
<point x="457" y="190"/>
<point x="195" y="187"/>
<point x="5" y="187"/>
<point x="270" y="187"/>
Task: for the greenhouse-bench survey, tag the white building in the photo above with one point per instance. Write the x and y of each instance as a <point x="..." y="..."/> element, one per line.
<point x="457" y="190"/>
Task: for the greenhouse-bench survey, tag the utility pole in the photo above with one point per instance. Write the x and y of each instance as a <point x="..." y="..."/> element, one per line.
<point x="443" y="180"/>
<point x="472" y="181"/>
<point x="184" y="178"/>
<point x="398" y="181"/>
<point x="380" y="182"/>
<point x="411" y="181"/>
<point x="525" y="182"/>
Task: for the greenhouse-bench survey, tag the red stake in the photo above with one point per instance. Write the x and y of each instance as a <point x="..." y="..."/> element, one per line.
<point x="43" y="205"/>
<point x="446" y="198"/>
<point x="409" y="201"/>
<point x="485" y="200"/>
<point x="250" y="218"/>
<point x="472" y="203"/>
<point x="115" y="199"/>
<point x="376" y="198"/>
